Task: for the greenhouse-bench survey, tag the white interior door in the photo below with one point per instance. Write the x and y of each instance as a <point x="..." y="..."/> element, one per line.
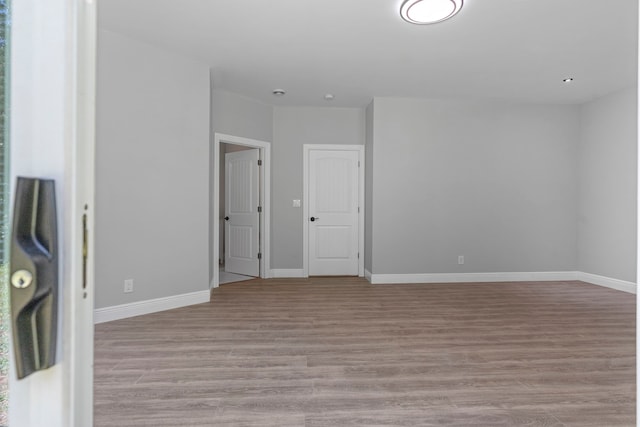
<point x="242" y="216"/>
<point x="333" y="212"/>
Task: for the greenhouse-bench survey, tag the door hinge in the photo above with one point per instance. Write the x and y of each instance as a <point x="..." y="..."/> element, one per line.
<point x="259" y="255"/>
<point x="259" y="162"/>
<point x="358" y="163"/>
<point x="259" y="208"/>
<point x="358" y="209"/>
<point x="358" y="255"/>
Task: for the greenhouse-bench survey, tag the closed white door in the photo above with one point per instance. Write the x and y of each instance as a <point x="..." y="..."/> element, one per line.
<point x="242" y="216"/>
<point x="333" y="213"/>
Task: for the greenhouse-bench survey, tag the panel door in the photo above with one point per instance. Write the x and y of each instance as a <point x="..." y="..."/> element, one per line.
<point x="333" y="213"/>
<point x="242" y="219"/>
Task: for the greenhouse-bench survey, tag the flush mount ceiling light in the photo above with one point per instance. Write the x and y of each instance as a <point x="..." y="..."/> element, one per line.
<point x="279" y="92"/>
<point x="429" y="11"/>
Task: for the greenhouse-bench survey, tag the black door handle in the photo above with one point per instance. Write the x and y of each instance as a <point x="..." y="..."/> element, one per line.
<point x="226" y="218"/>
<point x="34" y="275"/>
<point x="314" y="218"/>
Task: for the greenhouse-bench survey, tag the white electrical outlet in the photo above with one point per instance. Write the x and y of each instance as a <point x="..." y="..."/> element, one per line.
<point x="128" y="286"/>
<point x="460" y="259"/>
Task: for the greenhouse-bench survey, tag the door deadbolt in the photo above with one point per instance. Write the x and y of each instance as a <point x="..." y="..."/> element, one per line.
<point x="21" y="279"/>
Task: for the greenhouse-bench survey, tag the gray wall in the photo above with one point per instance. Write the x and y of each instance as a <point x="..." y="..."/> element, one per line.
<point x="293" y="127"/>
<point x="238" y="115"/>
<point x="492" y="181"/>
<point x="151" y="172"/>
<point x="512" y="187"/>
<point x="607" y="198"/>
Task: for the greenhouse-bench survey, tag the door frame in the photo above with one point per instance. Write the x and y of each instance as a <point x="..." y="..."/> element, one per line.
<point x="265" y="193"/>
<point x="307" y="148"/>
<point x="53" y="63"/>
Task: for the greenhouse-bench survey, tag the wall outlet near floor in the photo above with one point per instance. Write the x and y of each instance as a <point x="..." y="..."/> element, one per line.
<point x="460" y="259"/>
<point x="128" y="286"/>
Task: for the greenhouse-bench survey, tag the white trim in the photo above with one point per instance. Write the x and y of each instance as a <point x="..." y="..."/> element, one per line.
<point x="265" y="190"/>
<point x="82" y="343"/>
<point x="539" y="276"/>
<point x="108" y="314"/>
<point x="123" y="311"/>
<point x="305" y="199"/>
<point x="287" y="272"/>
<point x="367" y="275"/>
<point x="607" y="282"/>
<point x="473" y="277"/>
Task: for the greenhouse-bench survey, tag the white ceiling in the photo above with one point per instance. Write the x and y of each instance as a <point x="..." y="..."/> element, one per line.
<point x="356" y="49"/>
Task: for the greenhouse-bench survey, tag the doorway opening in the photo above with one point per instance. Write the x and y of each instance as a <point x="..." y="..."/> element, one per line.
<point x="240" y="166"/>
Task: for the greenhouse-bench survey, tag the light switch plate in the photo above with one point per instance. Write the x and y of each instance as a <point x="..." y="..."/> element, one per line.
<point x="296" y="203"/>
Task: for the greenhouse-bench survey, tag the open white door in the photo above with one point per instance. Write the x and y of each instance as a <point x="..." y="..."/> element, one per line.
<point x="52" y="93"/>
<point x="242" y="216"/>
<point x="333" y="212"/>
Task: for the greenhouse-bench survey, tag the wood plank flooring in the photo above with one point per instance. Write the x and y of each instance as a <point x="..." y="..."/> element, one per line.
<point x="342" y="352"/>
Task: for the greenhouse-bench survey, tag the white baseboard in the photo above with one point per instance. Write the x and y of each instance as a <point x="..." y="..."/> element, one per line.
<point x="116" y="312"/>
<point x="287" y="273"/>
<point x="139" y="308"/>
<point x="472" y="277"/>
<point x="543" y="276"/>
<point x="608" y="282"/>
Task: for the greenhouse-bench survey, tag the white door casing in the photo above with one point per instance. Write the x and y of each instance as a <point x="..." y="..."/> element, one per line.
<point x="333" y="196"/>
<point x="265" y="191"/>
<point x="242" y="219"/>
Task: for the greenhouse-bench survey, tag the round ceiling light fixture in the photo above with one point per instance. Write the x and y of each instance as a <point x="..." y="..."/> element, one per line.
<point x="429" y="11"/>
<point x="279" y="92"/>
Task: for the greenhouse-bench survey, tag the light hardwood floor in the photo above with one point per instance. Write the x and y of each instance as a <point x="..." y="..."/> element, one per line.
<point x="342" y="352"/>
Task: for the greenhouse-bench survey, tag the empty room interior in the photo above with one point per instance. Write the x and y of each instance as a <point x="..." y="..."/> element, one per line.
<point x="431" y="212"/>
